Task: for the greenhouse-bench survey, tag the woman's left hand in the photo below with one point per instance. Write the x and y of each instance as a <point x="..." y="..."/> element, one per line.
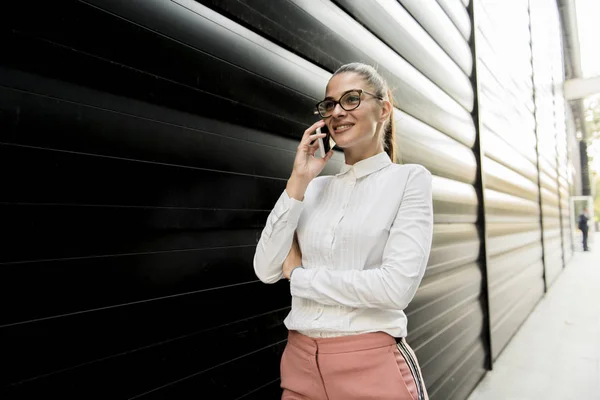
<point x="293" y="259"/>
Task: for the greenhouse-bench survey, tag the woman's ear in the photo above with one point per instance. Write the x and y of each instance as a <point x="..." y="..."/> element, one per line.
<point x="386" y="110"/>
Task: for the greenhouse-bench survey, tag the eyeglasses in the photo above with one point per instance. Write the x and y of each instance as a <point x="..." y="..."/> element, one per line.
<point x="349" y="101"/>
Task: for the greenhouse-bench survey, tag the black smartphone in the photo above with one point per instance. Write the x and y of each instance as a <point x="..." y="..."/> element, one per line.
<point x="326" y="143"/>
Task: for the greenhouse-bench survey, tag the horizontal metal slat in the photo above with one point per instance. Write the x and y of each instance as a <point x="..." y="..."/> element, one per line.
<point x="500" y="151"/>
<point x="453" y="245"/>
<point x="414" y="93"/>
<point x="503" y="179"/>
<point x="504" y="265"/>
<point x="443" y="156"/>
<point x="396" y="27"/>
<point x="458" y="14"/>
<point x="503" y="237"/>
<point x="453" y="202"/>
<point x="433" y="18"/>
<point x="502" y="207"/>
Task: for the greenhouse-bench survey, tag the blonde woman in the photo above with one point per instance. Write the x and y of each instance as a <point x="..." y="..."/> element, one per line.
<point x="354" y="247"/>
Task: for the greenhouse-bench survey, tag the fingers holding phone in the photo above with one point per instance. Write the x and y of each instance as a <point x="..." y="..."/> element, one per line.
<point x="307" y="164"/>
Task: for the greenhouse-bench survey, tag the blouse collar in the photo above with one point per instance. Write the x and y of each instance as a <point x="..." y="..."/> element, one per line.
<point x="368" y="165"/>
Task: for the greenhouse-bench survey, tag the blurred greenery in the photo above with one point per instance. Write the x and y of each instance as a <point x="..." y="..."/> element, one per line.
<point x="592" y="117"/>
<point x="597" y="199"/>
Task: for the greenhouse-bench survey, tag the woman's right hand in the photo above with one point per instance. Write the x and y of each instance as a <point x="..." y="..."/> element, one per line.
<point x="306" y="165"/>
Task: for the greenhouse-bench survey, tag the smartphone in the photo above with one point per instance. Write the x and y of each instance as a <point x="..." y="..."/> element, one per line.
<point x="326" y="143"/>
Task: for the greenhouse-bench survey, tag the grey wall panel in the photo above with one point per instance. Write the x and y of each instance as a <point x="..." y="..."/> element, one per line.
<point x="413" y="92"/>
<point x="396" y="27"/>
<point x="563" y="171"/>
<point x="453" y="202"/>
<point x="448" y="317"/>
<point x="549" y="198"/>
<point x="510" y="124"/>
<point x="433" y="18"/>
<point x="455" y="286"/>
<point x="505" y="208"/>
<point x="503" y="179"/>
<point x="506" y="264"/>
<point x="547" y="182"/>
<point x="497" y="126"/>
<point x="547" y="62"/>
<point x="517" y="224"/>
<point x="500" y="151"/>
<point x="505" y="295"/>
<point x="458" y="340"/>
<point x="494" y="89"/>
<point x="513" y="275"/>
<point x="554" y="265"/>
<point x="443" y="156"/>
<point x="563" y="191"/>
<point x="514" y="103"/>
<point x="567" y="245"/>
<point x="551" y="217"/>
<point x="553" y="254"/>
<point x="453" y="245"/>
<point x="471" y="367"/>
<point x="511" y="85"/>
<point x="548" y="167"/>
<point x="517" y="314"/>
<point x="501" y="126"/>
<point x="458" y="14"/>
<point x="509" y="116"/>
<point x="552" y="234"/>
<point x="505" y="237"/>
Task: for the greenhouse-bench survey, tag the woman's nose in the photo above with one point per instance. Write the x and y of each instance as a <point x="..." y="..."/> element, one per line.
<point x="338" y="111"/>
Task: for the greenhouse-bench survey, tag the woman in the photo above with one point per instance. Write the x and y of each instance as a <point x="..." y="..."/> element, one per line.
<point x="354" y="247"/>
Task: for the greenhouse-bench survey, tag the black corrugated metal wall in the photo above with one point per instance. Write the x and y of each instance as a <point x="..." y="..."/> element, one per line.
<point x="145" y="142"/>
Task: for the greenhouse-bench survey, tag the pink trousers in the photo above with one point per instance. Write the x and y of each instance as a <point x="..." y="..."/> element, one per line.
<point x="368" y="366"/>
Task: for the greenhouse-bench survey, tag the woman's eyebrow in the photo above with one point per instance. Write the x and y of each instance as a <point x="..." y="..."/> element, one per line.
<point x="333" y="98"/>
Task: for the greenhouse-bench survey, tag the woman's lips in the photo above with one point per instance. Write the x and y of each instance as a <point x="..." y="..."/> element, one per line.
<point x="342" y="128"/>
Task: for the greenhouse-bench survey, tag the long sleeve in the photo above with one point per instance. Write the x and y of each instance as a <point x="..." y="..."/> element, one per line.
<point x="276" y="239"/>
<point x="405" y="256"/>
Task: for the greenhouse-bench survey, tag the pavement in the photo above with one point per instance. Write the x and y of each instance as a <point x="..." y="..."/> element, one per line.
<point x="555" y="355"/>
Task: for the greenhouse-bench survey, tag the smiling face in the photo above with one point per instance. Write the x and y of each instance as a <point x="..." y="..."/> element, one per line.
<point x="358" y="131"/>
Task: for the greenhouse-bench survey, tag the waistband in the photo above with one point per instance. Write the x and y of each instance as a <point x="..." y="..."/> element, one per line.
<point x="342" y="344"/>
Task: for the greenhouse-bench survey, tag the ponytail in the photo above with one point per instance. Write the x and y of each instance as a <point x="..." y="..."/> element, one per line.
<point x="389" y="132"/>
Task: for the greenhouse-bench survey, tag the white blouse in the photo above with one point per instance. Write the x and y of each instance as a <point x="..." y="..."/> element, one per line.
<point x="365" y="236"/>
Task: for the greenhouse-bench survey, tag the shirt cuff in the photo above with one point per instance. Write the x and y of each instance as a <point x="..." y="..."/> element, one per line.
<point x="300" y="284"/>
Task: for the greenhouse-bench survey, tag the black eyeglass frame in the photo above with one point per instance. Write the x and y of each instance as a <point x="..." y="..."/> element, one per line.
<point x="335" y="103"/>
